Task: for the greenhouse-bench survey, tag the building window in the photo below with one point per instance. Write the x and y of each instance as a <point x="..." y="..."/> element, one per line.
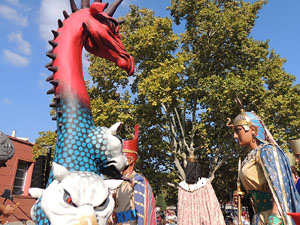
<point x="20" y="179"/>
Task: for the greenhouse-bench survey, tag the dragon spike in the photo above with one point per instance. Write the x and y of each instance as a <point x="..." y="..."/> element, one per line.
<point x="85" y="4"/>
<point x="73" y="6"/>
<point x="51" y="91"/>
<point x="54" y="117"/>
<point x="51" y="55"/>
<point x="55" y="33"/>
<point x="60" y="23"/>
<point x="52" y="105"/>
<point x="112" y="8"/>
<point x="54" y="82"/>
<point x="49" y="64"/>
<point x="57" y="98"/>
<point x="53" y="68"/>
<point x="53" y="43"/>
<point x="66" y="15"/>
<point x="49" y="78"/>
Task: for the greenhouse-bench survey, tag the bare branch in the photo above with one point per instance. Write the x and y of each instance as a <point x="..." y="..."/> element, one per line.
<point x="179" y="168"/>
<point x="181" y="129"/>
<point x="171" y="184"/>
<point x="212" y="173"/>
<point x="216" y="163"/>
<point x="172" y="128"/>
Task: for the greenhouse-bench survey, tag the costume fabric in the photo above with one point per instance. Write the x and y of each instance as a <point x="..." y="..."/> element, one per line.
<point x="198" y="204"/>
<point x="297" y="183"/>
<point x="266" y="174"/>
<point x="139" y="198"/>
<point x="124" y="202"/>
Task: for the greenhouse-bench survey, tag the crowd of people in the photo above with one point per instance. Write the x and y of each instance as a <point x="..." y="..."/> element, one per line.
<point x="166" y="217"/>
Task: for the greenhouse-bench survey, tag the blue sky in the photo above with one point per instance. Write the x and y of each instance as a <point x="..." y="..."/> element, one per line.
<point x="25" y="28"/>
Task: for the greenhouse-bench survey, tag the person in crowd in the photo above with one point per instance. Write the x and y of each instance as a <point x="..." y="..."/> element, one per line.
<point x="6" y="153"/>
<point x="134" y="202"/>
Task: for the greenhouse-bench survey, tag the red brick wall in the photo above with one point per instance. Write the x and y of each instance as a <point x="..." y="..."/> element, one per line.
<point x="7" y="174"/>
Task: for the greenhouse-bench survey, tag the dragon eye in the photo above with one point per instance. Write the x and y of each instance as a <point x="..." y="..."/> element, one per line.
<point x="68" y="199"/>
<point x="120" y="139"/>
<point x="103" y="205"/>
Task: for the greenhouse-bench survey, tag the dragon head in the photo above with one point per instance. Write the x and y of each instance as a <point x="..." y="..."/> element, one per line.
<point x="102" y="38"/>
<point x="75" y="198"/>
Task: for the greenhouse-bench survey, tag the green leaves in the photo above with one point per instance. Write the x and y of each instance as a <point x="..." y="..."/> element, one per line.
<point x="184" y="88"/>
<point x="46" y="140"/>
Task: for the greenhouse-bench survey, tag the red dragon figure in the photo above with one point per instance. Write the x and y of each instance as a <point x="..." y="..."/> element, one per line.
<point x="81" y="146"/>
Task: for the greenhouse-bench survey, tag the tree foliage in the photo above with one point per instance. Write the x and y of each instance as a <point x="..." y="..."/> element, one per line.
<point x="44" y="143"/>
<point x="184" y="88"/>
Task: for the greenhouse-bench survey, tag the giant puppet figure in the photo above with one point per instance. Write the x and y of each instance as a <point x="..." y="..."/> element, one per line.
<point x="197" y="201"/>
<point x="81" y="146"/>
<point x="135" y="202"/>
<point x="265" y="172"/>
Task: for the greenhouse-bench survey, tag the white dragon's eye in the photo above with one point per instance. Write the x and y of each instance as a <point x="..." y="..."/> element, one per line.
<point x="68" y="199"/>
<point x="103" y="205"/>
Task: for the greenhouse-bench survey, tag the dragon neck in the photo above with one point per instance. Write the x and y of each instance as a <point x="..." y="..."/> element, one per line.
<point x="68" y="61"/>
<point x="73" y="114"/>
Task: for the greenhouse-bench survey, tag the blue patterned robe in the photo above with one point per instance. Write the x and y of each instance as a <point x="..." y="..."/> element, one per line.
<point x="278" y="174"/>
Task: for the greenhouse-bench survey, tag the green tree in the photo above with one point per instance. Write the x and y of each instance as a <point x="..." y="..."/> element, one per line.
<point x="161" y="202"/>
<point x="44" y="143"/>
<point x="184" y="89"/>
<point x="114" y="97"/>
<point x="227" y="62"/>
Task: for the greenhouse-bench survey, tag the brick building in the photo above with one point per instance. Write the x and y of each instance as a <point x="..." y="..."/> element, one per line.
<point x="17" y="177"/>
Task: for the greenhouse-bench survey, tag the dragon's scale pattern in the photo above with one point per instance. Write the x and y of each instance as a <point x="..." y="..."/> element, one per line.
<point x="80" y="145"/>
<point x="40" y="214"/>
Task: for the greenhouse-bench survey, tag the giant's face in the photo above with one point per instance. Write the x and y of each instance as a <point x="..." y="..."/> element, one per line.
<point x="243" y="137"/>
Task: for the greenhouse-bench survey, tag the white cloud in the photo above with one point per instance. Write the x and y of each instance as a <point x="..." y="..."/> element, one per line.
<point x="13" y="2"/>
<point x="42" y="81"/>
<point x="13" y="16"/>
<point x="18" y="4"/>
<point x="22" y="45"/>
<point x="15" y="58"/>
<point x="50" y="12"/>
<point x="7" y="101"/>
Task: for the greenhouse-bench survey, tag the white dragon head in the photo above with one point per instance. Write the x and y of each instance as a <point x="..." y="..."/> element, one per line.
<point x="76" y="198"/>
